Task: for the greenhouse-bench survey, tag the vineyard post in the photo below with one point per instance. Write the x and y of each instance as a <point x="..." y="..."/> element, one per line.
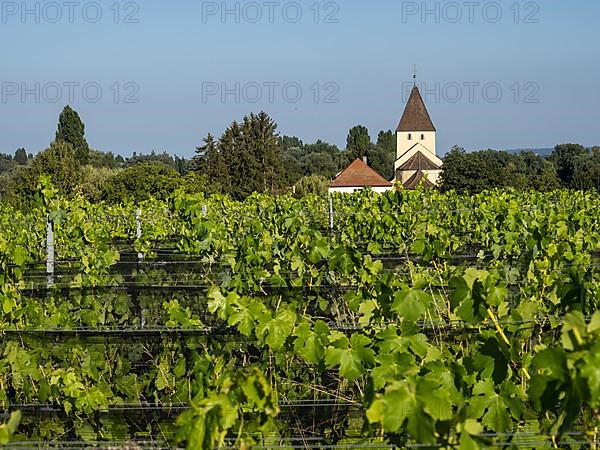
<point x="204" y="211"/>
<point x="138" y="229"/>
<point x="330" y="212"/>
<point x="138" y="235"/>
<point x="49" y="251"/>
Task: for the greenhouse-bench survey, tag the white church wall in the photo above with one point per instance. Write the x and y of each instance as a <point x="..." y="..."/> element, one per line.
<point x="404" y="143"/>
<point x="433" y="176"/>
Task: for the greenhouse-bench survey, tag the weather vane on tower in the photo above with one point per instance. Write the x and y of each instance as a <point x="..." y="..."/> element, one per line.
<point x="415" y="74"/>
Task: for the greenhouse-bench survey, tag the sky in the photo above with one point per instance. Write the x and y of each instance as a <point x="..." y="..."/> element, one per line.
<point x="160" y="75"/>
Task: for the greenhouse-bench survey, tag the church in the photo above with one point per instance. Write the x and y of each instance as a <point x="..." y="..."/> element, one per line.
<point x="416" y="155"/>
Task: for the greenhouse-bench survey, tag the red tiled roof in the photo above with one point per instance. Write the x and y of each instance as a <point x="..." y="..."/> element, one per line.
<point x="359" y="174"/>
<point x="415" y="117"/>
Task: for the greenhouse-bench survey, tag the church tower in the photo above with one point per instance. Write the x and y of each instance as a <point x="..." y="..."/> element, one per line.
<point x="416" y="157"/>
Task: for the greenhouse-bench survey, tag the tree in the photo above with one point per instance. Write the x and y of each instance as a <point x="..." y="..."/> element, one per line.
<point x="358" y="142"/>
<point x="181" y="165"/>
<point x="7" y="163"/>
<point x="20" y="185"/>
<point x="100" y="159"/>
<point x="292" y="168"/>
<point x="163" y="158"/>
<point x="339" y="158"/>
<point x="587" y="170"/>
<point x="192" y="183"/>
<point x="242" y="171"/>
<point x="564" y="157"/>
<point x="246" y="159"/>
<point x="140" y="182"/>
<point x="210" y="163"/>
<point x="489" y="169"/>
<point x="299" y="159"/>
<point x="320" y="163"/>
<point x="260" y="137"/>
<point x="312" y="184"/>
<point x="382" y="156"/>
<point x="59" y="162"/>
<point x="461" y="172"/>
<point x="72" y="131"/>
<point x="540" y="173"/>
<point x="199" y="159"/>
<point x="290" y="142"/>
<point x="94" y="180"/>
<point x="21" y="157"/>
<point x="387" y="141"/>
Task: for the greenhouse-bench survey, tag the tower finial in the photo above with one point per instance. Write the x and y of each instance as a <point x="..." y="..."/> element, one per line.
<point x="415" y="74"/>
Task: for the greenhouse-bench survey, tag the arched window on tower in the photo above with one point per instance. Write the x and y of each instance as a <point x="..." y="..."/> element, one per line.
<point x="409" y="137"/>
<point x="422" y="137"/>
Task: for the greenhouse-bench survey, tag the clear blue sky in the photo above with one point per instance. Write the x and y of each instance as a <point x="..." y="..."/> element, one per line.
<point x="367" y="56"/>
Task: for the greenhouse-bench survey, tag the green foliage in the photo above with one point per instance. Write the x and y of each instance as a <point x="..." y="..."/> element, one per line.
<point x="210" y="163"/>
<point x="71" y="130"/>
<point x="358" y="142"/>
<point x="104" y="160"/>
<point x="94" y="181"/>
<point x="141" y="182"/>
<point x="300" y="160"/>
<point x="587" y="170"/>
<point x="313" y="184"/>
<point x="569" y="374"/>
<point x="383" y="155"/>
<point x="192" y="183"/>
<point x="489" y="169"/>
<point x="241" y="401"/>
<point x="8" y="429"/>
<point x="564" y="157"/>
<point x="21" y="156"/>
<point x="59" y="163"/>
<point x="442" y="319"/>
<point x="246" y="159"/>
<point x="352" y="355"/>
<point x="181" y="165"/>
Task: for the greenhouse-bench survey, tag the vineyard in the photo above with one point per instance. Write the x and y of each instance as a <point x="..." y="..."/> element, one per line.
<point x="413" y="319"/>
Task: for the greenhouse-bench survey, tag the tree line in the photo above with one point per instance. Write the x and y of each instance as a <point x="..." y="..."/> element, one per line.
<point x="570" y="166"/>
<point x="250" y="156"/>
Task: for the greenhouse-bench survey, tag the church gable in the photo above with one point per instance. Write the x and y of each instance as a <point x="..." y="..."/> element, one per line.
<point x="419" y="161"/>
<point x="413" y="151"/>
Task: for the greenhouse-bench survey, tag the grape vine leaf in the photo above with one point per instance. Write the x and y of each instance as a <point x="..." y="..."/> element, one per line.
<point x="276" y="331"/>
<point x="411" y="304"/>
<point x="352" y="356"/>
<point x="491" y="407"/>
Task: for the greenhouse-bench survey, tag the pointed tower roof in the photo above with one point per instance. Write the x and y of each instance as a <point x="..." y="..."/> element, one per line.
<point x="415" y="117"/>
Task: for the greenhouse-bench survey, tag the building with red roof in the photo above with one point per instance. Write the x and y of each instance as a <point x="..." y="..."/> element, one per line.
<point x="358" y="176"/>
